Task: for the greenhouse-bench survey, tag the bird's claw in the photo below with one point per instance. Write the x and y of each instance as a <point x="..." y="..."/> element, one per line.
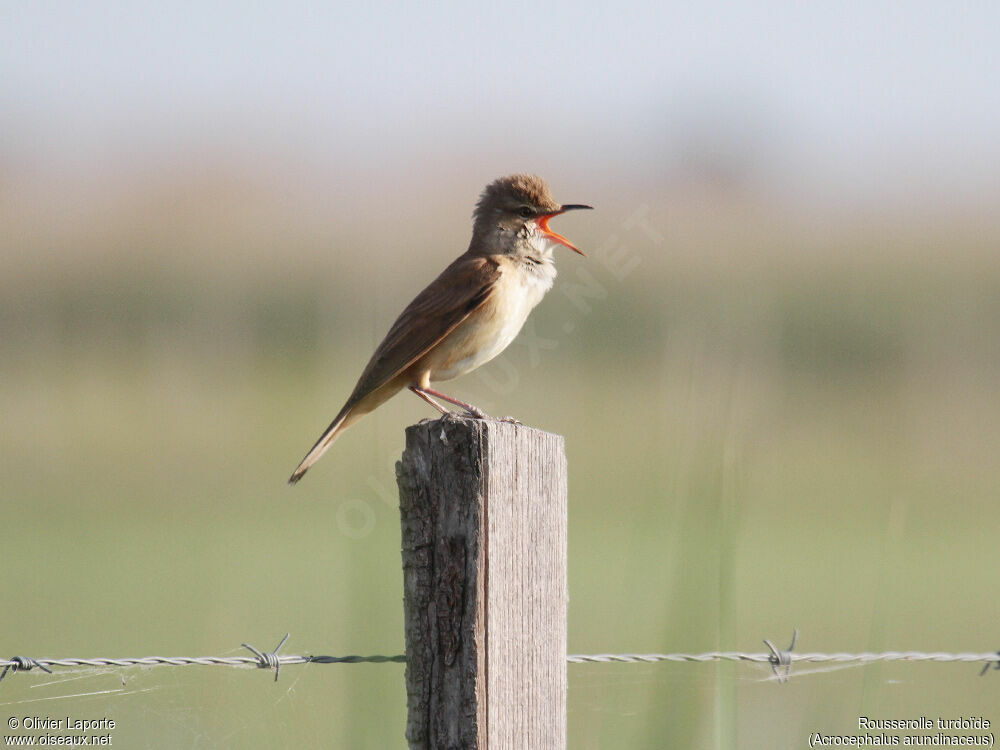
<point x="463" y="414"/>
<point x="511" y="420"/>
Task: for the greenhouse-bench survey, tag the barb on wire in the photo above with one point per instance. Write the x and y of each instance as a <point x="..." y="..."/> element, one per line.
<point x="781" y="661"/>
<point x="22" y="664"/>
<point x="268" y="660"/>
<point x="986" y="667"/>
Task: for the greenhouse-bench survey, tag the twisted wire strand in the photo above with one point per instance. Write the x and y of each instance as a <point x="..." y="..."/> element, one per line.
<point x="274" y="661"/>
<point x="17" y="663"/>
<point x="769" y="658"/>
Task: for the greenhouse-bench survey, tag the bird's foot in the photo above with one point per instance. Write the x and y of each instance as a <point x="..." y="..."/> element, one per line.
<point x="511" y="420"/>
<point x="475" y="412"/>
<point x="459" y="415"/>
<point x="426" y="393"/>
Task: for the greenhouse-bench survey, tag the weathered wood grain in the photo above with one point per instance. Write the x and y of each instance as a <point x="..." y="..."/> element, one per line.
<point x="483" y="510"/>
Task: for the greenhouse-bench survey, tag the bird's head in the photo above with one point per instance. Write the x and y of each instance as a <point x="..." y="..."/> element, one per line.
<point x="514" y="212"/>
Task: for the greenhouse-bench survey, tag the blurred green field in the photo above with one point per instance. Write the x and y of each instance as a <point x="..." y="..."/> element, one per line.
<point x="773" y="420"/>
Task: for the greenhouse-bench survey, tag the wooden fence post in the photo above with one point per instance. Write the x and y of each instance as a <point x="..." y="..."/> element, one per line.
<point x="483" y="508"/>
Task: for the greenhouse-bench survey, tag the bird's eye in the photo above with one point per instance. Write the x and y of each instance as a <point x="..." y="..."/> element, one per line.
<point x="525" y="212"/>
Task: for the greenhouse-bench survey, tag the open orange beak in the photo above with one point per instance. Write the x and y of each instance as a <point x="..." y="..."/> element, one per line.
<point x="543" y="224"/>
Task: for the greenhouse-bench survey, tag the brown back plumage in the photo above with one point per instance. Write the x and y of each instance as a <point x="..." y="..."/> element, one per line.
<point x="440" y="308"/>
<point x="446" y="302"/>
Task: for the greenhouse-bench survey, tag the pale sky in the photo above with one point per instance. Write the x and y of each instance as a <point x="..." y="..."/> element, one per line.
<point x="846" y="91"/>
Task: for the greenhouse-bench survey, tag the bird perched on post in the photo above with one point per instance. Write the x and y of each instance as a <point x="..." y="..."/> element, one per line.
<point x="468" y="314"/>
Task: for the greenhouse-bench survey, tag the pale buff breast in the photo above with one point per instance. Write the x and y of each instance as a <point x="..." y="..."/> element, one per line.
<point x="492" y="328"/>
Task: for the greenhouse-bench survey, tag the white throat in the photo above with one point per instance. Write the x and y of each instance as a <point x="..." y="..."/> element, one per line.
<point x="542" y="245"/>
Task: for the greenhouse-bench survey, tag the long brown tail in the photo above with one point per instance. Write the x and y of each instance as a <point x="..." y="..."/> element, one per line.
<point x="337" y="426"/>
<point x="353" y="410"/>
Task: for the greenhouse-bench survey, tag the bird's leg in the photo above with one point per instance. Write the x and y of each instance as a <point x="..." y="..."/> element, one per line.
<point x="429" y="400"/>
<point x="474" y="411"/>
<point x="426" y="393"/>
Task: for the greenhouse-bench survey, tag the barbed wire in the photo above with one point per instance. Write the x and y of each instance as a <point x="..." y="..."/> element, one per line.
<point x="765" y="658"/>
<point x="781" y="661"/>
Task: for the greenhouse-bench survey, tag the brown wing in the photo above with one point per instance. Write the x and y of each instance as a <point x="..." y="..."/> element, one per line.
<point x="448" y="300"/>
